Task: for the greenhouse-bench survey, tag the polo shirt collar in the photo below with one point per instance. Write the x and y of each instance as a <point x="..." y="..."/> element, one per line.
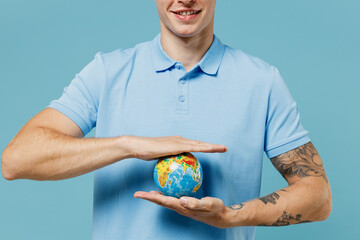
<point x="160" y="59"/>
<point x="209" y="63"/>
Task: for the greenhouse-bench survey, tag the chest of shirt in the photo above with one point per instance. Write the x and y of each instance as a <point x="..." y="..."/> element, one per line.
<point x="222" y="108"/>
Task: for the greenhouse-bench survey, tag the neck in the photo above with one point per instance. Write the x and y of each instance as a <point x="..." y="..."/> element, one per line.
<point x="187" y="50"/>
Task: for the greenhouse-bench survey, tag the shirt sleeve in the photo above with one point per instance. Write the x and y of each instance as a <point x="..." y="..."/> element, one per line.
<point x="80" y="99"/>
<point x="284" y="131"/>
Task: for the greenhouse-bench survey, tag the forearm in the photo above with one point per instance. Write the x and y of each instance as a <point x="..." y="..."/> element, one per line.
<point x="46" y="154"/>
<point x="304" y="201"/>
<point x="43" y="153"/>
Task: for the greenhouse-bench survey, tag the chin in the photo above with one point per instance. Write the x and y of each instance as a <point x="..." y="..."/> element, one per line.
<point x="184" y="35"/>
<point x="186" y="32"/>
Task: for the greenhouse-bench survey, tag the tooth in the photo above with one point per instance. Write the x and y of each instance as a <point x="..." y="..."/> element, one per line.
<point x="183" y="13"/>
<point x="188" y="13"/>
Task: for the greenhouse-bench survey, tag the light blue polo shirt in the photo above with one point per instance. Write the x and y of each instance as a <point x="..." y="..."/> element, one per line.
<point x="229" y="98"/>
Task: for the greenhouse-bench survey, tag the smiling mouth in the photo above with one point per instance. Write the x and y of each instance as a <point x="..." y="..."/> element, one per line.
<point x="187" y="13"/>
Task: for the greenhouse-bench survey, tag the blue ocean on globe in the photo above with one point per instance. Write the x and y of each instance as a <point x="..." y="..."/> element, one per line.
<point x="179" y="175"/>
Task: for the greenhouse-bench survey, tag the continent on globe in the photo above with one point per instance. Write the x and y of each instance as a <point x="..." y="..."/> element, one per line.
<point x="178" y="175"/>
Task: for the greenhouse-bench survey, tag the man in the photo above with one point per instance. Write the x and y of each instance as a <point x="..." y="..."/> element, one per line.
<point x="184" y="82"/>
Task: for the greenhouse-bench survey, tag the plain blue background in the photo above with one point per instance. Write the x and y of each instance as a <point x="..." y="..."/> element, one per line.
<point x="315" y="44"/>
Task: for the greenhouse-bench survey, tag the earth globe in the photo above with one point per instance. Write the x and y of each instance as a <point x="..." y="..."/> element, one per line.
<point x="178" y="175"/>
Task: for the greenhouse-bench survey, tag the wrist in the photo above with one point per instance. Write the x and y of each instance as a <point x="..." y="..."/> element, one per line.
<point x="230" y="217"/>
<point x="125" y="146"/>
<point x="242" y="214"/>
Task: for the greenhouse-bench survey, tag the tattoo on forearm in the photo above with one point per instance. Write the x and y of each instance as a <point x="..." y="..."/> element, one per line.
<point x="237" y="206"/>
<point x="302" y="162"/>
<point x="271" y="198"/>
<point x="287" y="219"/>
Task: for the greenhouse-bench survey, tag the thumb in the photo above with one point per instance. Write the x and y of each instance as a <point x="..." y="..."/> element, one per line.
<point x="191" y="203"/>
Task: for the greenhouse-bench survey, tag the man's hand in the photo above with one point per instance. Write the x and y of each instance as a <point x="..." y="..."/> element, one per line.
<point x="306" y="199"/>
<point x="50" y="147"/>
<point x="150" y="148"/>
<point x="211" y="211"/>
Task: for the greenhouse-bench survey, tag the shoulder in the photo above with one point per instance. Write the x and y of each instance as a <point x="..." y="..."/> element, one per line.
<point x="121" y="55"/>
<point x="249" y="68"/>
<point x="122" y="60"/>
<point x="247" y="60"/>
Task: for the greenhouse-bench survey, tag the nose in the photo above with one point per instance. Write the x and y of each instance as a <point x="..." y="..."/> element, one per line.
<point x="186" y="1"/>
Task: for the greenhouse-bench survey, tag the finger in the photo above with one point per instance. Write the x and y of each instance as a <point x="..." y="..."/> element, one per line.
<point x="205" y="204"/>
<point x="196" y="142"/>
<point x="208" y="145"/>
<point x="204" y="146"/>
<point x="140" y="194"/>
<point x="155" y="192"/>
<point x="207" y="148"/>
<point x="162" y="200"/>
<point x="191" y="203"/>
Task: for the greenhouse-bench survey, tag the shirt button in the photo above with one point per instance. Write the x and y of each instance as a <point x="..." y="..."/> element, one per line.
<point x="182" y="81"/>
<point x="181" y="98"/>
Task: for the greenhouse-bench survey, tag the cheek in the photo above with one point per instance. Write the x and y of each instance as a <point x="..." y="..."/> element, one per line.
<point x="161" y="12"/>
<point x="212" y="7"/>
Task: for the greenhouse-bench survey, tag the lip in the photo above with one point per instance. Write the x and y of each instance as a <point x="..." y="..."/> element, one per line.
<point x="186" y="18"/>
